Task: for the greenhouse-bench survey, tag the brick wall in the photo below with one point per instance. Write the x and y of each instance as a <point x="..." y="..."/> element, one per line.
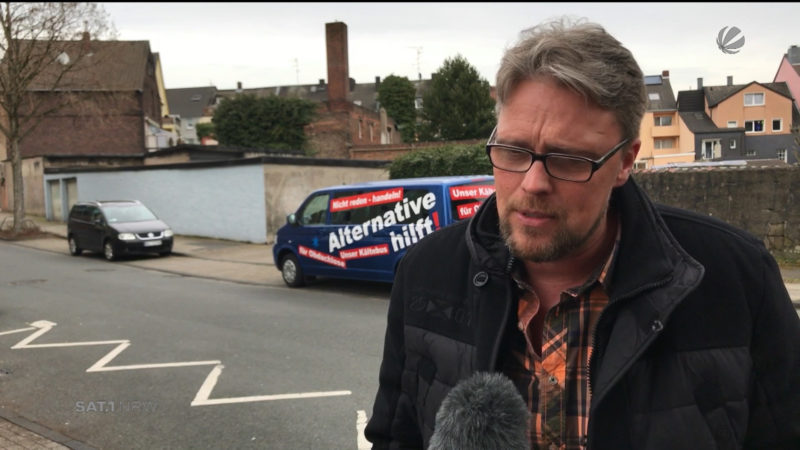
<point x="763" y="201"/>
<point x="335" y="130"/>
<point x="100" y="124"/>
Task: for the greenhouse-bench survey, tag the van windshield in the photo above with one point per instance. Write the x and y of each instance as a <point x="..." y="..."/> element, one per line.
<point x="127" y="213"/>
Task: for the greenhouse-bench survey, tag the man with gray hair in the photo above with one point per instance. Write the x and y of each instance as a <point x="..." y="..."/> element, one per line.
<point x="621" y="323"/>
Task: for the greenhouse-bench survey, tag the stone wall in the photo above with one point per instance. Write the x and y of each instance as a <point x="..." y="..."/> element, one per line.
<point x="763" y="201"/>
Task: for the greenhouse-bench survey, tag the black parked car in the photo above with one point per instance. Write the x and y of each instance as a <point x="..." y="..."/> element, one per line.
<point x="116" y="228"/>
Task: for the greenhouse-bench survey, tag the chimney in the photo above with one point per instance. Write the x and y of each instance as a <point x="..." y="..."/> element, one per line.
<point x="352" y="84"/>
<point x="793" y="55"/>
<point x="377" y="83"/>
<point x="665" y="74"/>
<point x="730" y="80"/>
<point x="338" y="67"/>
<point x="238" y="87"/>
<point x="322" y="81"/>
<point x="699" y="84"/>
<point x="86" y="40"/>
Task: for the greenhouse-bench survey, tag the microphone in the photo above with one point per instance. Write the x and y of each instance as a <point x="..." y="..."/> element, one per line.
<point x="482" y="412"/>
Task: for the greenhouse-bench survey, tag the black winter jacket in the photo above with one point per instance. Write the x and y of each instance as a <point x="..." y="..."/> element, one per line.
<point x="698" y="348"/>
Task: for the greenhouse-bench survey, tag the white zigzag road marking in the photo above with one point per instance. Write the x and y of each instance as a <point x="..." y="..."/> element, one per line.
<point x="202" y="397"/>
<point x="17" y="331"/>
<point x="211" y="380"/>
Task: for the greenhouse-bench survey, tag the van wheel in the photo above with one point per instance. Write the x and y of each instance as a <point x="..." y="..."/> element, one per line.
<point x="108" y="251"/>
<point x="291" y="271"/>
<point x="74" y="250"/>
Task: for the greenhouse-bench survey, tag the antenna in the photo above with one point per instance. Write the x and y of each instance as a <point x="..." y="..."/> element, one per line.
<point x="297" y="71"/>
<point x="419" y="53"/>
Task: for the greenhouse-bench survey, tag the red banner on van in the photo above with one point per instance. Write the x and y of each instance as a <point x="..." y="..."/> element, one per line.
<point x="368" y="199"/>
<point x="469" y="192"/>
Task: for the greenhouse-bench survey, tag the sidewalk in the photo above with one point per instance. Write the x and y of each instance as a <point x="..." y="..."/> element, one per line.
<point x="192" y="256"/>
<point x="198" y="257"/>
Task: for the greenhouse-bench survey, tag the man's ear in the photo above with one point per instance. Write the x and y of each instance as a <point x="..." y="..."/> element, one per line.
<point x="628" y="158"/>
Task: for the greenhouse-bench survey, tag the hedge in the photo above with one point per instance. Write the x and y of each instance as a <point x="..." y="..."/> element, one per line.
<point x="442" y="161"/>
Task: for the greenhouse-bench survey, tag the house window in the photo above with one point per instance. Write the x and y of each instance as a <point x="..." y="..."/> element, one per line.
<point x="711" y="149"/>
<point x="662" y="143"/>
<point x="654" y="96"/>
<point x="663" y="121"/>
<point x="370" y="131"/>
<point x="359" y="129"/>
<point x="753" y="126"/>
<point x="732" y="124"/>
<point x="781" y="154"/>
<point x="750" y="152"/>
<point x="639" y="165"/>
<point x="418" y="103"/>
<point x="732" y="144"/>
<point x="754" y="99"/>
<point x="777" y="124"/>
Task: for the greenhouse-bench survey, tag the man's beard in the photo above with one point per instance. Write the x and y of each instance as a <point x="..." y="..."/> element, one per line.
<point x="561" y="245"/>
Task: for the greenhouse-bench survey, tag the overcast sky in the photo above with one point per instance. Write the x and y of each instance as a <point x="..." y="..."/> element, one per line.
<point x="270" y="44"/>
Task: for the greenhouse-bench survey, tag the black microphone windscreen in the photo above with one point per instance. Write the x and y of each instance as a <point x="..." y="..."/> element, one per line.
<point x="484" y="411"/>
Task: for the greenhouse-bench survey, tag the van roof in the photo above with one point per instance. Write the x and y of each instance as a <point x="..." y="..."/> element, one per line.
<point x="447" y="181"/>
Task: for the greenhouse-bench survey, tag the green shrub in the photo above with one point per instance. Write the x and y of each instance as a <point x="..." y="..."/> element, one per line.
<point x="442" y="161"/>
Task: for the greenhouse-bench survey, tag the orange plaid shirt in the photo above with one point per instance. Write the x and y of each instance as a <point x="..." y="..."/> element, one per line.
<point x="555" y="384"/>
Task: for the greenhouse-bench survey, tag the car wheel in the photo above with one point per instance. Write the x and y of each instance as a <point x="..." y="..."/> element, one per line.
<point x="291" y="271"/>
<point x="108" y="251"/>
<point x="74" y="250"/>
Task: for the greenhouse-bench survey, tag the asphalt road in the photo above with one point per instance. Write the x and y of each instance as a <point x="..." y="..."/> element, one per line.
<point x="120" y="357"/>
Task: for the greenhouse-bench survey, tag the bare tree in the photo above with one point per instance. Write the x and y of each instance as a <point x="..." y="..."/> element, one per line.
<point x="42" y="55"/>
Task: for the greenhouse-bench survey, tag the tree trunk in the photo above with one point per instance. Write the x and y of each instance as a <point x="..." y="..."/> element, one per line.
<point x="19" y="184"/>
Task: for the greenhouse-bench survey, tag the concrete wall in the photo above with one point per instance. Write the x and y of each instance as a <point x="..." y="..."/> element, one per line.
<point x="239" y="200"/>
<point x="220" y="202"/>
<point x="763" y="201"/>
<point x="32" y="174"/>
<point x="288" y="185"/>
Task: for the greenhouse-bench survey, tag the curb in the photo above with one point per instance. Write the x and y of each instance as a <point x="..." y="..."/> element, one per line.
<point x="44" y="432"/>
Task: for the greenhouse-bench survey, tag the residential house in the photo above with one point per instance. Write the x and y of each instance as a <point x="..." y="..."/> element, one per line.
<point x="735" y="122"/>
<point x="348" y="114"/>
<point x="789" y="73"/>
<point x="113" y="116"/>
<point x="660" y="129"/>
<point x="191" y="106"/>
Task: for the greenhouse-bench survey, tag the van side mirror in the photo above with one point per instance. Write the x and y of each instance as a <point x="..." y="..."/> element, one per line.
<point x="291" y="219"/>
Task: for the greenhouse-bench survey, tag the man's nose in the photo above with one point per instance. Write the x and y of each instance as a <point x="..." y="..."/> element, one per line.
<point x="536" y="179"/>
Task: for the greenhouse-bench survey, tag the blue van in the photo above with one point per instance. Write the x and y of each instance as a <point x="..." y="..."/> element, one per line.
<point x="360" y="231"/>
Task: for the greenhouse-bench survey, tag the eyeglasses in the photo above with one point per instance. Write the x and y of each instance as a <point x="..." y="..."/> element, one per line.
<point x="558" y="165"/>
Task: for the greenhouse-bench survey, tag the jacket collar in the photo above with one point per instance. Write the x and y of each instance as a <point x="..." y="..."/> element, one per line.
<point x="648" y="254"/>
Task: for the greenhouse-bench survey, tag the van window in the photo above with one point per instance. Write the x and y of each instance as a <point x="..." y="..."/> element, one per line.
<point x="78" y="212"/>
<point x="314" y="211"/>
<point x="94" y="213"/>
